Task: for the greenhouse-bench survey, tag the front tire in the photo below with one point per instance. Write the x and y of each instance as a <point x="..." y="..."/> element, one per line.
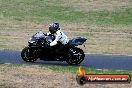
<point x="29" y="55"/>
<point x="76" y="56"/>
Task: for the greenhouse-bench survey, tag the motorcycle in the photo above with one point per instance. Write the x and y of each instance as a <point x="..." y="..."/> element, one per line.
<point x="38" y="48"/>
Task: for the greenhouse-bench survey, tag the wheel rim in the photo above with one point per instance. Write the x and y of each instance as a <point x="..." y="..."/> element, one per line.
<point x="78" y="57"/>
<point x="30" y="57"/>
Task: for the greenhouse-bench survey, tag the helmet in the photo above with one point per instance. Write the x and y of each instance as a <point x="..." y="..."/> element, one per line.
<point x="53" y="27"/>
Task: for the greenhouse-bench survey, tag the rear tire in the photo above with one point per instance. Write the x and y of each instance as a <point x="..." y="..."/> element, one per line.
<point x="76" y="56"/>
<point x="29" y="56"/>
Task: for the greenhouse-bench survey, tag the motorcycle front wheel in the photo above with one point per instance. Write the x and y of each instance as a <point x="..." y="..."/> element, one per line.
<point x="76" y="56"/>
<point x="29" y="55"/>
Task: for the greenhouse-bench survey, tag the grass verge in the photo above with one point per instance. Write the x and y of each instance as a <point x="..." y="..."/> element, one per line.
<point x="74" y="69"/>
<point x="66" y="69"/>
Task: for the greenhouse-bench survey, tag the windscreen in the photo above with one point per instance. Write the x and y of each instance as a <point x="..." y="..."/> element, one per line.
<point x="38" y="35"/>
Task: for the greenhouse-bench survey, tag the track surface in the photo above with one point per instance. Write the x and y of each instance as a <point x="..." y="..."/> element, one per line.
<point x="116" y="62"/>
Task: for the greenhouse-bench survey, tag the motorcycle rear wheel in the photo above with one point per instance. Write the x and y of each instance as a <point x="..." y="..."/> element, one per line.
<point x="77" y="56"/>
<point x="29" y="56"/>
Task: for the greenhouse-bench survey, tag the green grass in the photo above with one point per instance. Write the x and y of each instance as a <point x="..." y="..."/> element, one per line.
<point x="67" y="69"/>
<point x="121" y="16"/>
<point x="74" y="69"/>
<point x="46" y="10"/>
<point x="35" y="10"/>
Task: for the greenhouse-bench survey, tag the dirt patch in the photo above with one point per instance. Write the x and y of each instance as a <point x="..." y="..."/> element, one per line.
<point x="101" y="39"/>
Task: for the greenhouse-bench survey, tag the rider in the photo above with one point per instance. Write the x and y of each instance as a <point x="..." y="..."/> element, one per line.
<point x="59" y="36"/>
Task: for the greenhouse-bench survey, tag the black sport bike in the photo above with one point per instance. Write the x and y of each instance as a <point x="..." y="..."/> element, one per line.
<point x="38" y="48"/>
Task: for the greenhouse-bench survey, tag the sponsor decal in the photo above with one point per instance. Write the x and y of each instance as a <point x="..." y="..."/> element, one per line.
<point x="83" y="78"/>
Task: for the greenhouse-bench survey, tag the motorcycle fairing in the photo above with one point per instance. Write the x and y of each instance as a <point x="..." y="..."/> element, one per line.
<point x="77" y="41"/>
<point x="36" y="36"/>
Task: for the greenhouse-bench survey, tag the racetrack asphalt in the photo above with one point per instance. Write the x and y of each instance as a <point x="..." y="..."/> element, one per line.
<point x="97" y="61"/>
